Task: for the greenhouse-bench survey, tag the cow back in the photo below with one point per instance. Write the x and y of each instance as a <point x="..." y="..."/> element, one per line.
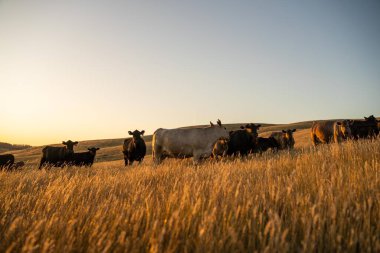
<point x="364" y="129"/>
<point x="240" y="141"/>
<point x="55" y="153"/>
<point x="7" y="160"/>
<point x="323" y="130"/>
<point x="185" y="142"/>
<point x="126" y="144"/>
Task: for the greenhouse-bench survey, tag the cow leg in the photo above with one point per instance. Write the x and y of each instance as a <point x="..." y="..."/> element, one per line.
<point x="196" y="160"/>
<point x="197" y="157"/>
<point x="243" y="154"/>
<point x="42" y="162"/>
<point x="130" y="162"/>
<point x="126" y="158"/>
<point x="157" y="158"/>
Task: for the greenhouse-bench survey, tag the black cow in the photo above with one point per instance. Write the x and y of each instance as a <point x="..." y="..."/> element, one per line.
<point x="366" y="128"/>
<point x="263" y="144"/>
<point x="243" y="140"/>
<point x="6" y="161"/>
<point x="18" y="165"/>
<point x="83" y="158"/>
<point x="284" y="138"/>
<point x="134" y="149"/>
<point x="57" y="156"/>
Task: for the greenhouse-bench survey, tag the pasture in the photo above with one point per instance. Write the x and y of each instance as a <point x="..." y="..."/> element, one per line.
<point x="323" y="199"/>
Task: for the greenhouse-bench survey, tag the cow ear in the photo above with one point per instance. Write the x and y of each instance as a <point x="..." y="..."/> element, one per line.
<point x="75" y="142"/>
<point x="219" y="122"/>
<point x="258" y="126"/>
<point x="142" y="132"/>
<point x="294" y="130"/>
<point x="211" y="124"/>
<point x="365" y="118"/>
<point x="284" y="131"/>
<point x="130" y="133"/>
<point x="242" y="127"/>
<point x="64" y="143"/>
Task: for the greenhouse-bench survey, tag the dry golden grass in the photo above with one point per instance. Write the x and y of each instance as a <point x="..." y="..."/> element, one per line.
<point x="324" y="200"/>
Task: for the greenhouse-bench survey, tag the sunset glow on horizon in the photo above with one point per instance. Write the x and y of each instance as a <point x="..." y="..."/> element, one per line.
<point x="84" y="70"/>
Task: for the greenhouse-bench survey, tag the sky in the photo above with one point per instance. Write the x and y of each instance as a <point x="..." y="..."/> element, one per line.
<point x="89" y="69"/>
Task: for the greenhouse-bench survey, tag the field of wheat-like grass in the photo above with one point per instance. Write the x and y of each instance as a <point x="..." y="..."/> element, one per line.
<point x="307" y="200"/>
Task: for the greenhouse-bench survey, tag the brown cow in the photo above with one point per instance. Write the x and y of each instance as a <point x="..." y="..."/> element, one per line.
<point x="220" y="148"/>
<point x="18" y="165"/>
<point x="329" y="130"/>
<point x="285" y="139"/>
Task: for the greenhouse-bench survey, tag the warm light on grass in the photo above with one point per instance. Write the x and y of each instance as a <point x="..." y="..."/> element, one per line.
<point x="324" y="199"/>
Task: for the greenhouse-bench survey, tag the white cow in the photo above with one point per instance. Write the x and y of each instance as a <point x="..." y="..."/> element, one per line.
<point x="182" y="143"/>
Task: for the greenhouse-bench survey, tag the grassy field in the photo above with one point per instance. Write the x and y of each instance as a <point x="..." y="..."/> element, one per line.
<point x="308" y="200"/>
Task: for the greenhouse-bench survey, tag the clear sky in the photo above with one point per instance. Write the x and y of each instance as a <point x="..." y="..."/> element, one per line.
<point x="95" y="69"/>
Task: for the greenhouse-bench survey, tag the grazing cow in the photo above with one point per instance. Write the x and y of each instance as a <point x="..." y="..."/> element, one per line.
<point x="263" y="144"/>
<point x="134" y="149"/>
<point x="284" y="138"/>
<point x="220" y="148"/>
<point x="6" y="161"/>
<point x="18" y="165"/>
<point x="83" y="158"/>
<point x="328" y="131"/>
<point x="366" y="128"/>
<point x="182" y="143"/>
<point x="57" y="156"/>
<point x="243" y="140"/>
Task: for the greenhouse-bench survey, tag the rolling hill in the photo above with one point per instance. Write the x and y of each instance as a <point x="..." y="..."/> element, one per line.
<point x="110" y="149"/>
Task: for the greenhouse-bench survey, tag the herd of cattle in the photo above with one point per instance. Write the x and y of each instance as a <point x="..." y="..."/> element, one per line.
<point x="200" y="143"/>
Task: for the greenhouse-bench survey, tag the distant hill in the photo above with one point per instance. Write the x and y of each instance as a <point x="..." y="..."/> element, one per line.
<point x="4" y="147"/>
<point x="111" y="149"/>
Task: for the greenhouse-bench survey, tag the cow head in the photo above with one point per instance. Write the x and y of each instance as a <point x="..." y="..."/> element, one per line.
<point x="221" y="145"/>
<point x="288" y="138"/>
<point x="344" y="128"/>
<point x="136" y="134"/>
<point x="70" y="145"/>
<point x="371" y="119"/>
<point x="219" y="129"/>
<point x="252" y="129"/>
<point x="223" y="141"/>
<point x="93" y="150"/>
